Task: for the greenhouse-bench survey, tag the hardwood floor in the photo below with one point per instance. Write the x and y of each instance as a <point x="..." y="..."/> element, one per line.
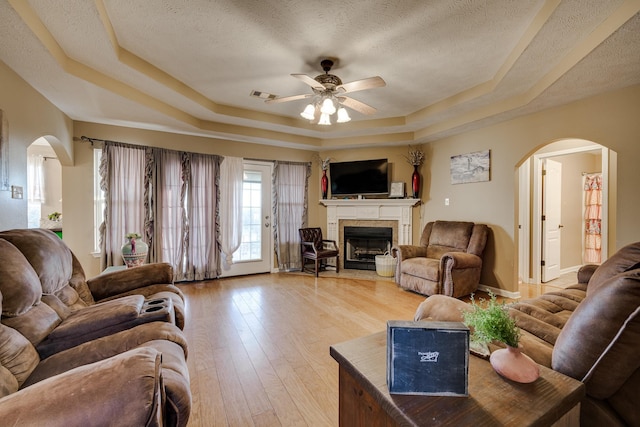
<point x="259" y="345"/>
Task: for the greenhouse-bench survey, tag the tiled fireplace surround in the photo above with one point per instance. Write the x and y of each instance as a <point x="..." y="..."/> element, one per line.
<point x="394" y="213"/>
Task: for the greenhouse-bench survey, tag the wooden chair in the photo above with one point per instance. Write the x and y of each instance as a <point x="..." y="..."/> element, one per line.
<point x="315" y="248"/>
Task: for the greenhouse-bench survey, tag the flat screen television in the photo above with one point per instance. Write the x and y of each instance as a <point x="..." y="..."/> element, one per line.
<point x="359" y="177"/>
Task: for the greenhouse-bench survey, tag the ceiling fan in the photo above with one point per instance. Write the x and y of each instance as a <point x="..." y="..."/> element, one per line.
<point x="328" y="95"/>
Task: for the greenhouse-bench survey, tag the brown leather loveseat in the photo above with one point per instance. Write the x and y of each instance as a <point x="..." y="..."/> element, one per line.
<point x="447" y="261"/>
<point x="67" y="361"/>
<point x="589" y="331"/>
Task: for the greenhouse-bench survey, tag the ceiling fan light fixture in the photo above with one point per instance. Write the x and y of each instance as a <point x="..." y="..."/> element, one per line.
<point x="343" y="115"/>
<point x="328" y="107"/>
<point x="309" y="112"/>
<point x="324" y="119"/>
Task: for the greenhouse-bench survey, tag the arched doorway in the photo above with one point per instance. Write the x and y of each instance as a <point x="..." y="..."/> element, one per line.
<point x="576" y="159"/>
<point x="44" y="187"/>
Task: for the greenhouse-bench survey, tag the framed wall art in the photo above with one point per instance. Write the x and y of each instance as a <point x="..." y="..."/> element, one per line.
<point x="397" y="189"/>
<point x="471" y="167"/>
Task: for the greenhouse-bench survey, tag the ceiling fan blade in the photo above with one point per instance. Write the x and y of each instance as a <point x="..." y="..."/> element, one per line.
<point x="287" y="98"/>
<point x="358" y="106"/>
<point x="368" y="83"/>
<point x="310" y="81"/>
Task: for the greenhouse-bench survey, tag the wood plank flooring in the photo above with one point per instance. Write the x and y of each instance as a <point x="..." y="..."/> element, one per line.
<point x="259" y="345"/>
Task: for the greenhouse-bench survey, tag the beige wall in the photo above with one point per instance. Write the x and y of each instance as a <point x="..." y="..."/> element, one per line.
<point x="29" y="116"/>
<point x="609" y="119"/>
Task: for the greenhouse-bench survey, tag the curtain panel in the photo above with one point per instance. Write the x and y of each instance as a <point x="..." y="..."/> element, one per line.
<point x="290" y="189"/>
<point x="169" y="195"/>
<point x="122" y="171"/>
<point x="231" y="181"/>
<point x="593" y="218"/>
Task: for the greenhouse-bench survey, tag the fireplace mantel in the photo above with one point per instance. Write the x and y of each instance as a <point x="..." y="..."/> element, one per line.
<point x="399" y="210"/>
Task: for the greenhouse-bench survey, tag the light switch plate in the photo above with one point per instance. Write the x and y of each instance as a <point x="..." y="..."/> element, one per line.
<point x="16" y="192"/>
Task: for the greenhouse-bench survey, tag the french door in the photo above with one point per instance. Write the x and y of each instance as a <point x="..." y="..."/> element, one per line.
<point x="255" y="254"/>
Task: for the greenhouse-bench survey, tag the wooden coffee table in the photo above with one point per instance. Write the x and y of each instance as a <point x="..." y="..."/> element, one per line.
<point x="553" y="399"/>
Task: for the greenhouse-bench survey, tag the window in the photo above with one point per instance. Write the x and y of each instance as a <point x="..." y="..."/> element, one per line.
<point x="250" y="248"/>
<point x="98" y="200"/>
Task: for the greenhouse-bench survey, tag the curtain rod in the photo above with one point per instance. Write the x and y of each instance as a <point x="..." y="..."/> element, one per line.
<point x="92" y="140"/>
<point x="589" y="173"/>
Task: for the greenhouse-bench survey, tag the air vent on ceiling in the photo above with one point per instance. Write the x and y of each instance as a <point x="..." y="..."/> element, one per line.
<point x="263" y="95"/>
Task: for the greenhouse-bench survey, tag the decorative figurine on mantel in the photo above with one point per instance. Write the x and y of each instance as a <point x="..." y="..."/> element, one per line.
<point x="324" y="180"/>
<point x="415" y="158"/>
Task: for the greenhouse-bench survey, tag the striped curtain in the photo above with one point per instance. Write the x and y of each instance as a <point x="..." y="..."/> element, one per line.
<point x="593" y="218"/>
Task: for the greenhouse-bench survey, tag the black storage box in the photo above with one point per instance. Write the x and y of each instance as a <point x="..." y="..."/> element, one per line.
<point x="428" y="358"/>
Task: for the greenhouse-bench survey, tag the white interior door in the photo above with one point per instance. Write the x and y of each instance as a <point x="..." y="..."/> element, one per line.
<point x="255" y="252"/>
<point x="551" y="226"/>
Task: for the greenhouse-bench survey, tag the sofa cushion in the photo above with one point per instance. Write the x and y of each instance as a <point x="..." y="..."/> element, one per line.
<point x="48" y="255"/>
<point x="425" y="268"/>
<point x="626" y="259"/>
<point x="36" y="324"/>
<point x="17" y="355"/>
<point x="19" y="283"/>
<point x="602" y="333"/>
<point x="8" y="383"/>
<point x="448" y="236"/>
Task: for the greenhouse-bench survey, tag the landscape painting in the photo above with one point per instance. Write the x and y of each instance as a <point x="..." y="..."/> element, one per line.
<point x="471" y="167"/>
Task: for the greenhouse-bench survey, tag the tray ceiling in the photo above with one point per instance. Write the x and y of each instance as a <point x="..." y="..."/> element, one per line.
<point x="190" y="67"/>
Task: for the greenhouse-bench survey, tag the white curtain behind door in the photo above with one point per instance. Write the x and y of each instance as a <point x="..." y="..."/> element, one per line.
<point x="231" y="177"/>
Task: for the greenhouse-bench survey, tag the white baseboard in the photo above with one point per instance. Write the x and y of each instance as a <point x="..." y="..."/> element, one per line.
<point x="500" y="292"/>
<point x="573" y="269"/>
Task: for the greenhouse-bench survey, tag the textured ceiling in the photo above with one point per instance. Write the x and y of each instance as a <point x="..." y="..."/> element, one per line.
<point x="190" y="66"/>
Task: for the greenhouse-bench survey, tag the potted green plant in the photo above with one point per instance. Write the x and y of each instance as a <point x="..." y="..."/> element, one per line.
<point x="55" y="216"/>
<point x="489" y="321"/>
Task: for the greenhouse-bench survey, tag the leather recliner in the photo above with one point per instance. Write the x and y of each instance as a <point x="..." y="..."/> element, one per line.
<point x="447" y="261"/>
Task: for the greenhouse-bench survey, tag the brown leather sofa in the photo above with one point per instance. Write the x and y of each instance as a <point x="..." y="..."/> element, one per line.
<point x="63" y="277"/>
<point x="67" y="360"/>
<point x="448" y="259"/>
<point x="589" y="331"/>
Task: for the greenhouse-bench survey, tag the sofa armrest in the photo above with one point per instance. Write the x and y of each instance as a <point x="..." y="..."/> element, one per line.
<point x="585" y="272"/>
<point x="460" y="270"/>
<point x="105" y="319"/>
<point x="118" y="282"/>
<point x="459" y="260"/>
<point x="124" y="390"/>
<point x="402" y="252"/>
<point x="330" y="244"/>
<point x="109" y="346"/>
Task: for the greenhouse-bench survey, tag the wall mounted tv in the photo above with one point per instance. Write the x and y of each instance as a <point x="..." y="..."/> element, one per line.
<point x="359" y="177"/>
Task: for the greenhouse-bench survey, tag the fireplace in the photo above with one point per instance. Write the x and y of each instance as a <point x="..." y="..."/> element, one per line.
<point x="362" y="244"/>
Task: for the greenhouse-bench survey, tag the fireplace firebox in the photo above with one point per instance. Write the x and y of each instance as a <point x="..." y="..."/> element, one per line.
<point x="362" y="244"/>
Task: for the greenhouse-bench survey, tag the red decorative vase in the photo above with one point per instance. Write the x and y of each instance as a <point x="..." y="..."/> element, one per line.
<point x="415" y="182"/>
<point x="324" y="182"/>
<point x="512" y="364"/>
